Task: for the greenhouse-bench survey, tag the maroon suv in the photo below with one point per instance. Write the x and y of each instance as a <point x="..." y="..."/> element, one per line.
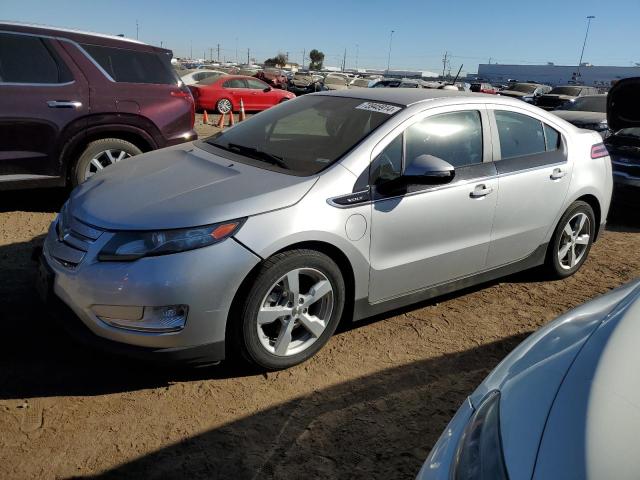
<point x="73" y="103"/>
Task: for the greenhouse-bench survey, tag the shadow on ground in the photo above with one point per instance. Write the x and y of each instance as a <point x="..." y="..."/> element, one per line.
<point x="379" y="426"/>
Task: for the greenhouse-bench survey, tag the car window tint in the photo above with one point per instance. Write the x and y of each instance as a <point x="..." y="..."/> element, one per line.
<point x="257" y="84"/>
<point x="198" y="76"/>
<point x="235" y="83"/>
<point x="454" y="137"/>
<point x="552" y="138"/>
<point x="519" y="134"/>
<point x="28" y="59"/>
<point x="388" y="164"/>
<point x="131" y="66"/>
<point x="301" y="123"/>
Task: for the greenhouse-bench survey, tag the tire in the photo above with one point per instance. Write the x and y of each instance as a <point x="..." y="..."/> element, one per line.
<point x="567" y="253"/>
<point x="105" y="152"/>
<point x="307" y="325"/>
<point x="224" y="105"/>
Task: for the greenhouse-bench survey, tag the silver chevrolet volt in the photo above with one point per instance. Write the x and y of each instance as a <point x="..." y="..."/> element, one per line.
<point x="257" y="241"/>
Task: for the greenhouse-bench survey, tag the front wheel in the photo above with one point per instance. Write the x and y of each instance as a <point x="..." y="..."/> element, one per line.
<point x="293" y="307"/>
<point x="571" y="240"/>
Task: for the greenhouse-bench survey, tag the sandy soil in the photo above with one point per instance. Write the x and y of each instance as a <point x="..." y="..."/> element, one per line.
<point x="369" y="405"/>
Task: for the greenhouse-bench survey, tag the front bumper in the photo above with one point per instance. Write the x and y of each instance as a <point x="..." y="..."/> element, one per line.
<point x="205" y="279"/>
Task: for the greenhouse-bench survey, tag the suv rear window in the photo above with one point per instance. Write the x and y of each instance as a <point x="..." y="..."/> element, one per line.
<point x="29" y="59"/>
<point x="132" y="66"/>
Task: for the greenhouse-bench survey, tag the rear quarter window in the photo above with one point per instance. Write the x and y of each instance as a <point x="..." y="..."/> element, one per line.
<point x="520" y="135"/>
<point x="131" y="66"/>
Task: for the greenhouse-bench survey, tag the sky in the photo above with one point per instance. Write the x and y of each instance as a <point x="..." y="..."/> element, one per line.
<point x="472" y="32"/>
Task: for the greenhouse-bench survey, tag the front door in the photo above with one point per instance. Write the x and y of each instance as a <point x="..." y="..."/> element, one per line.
<point x="534" y="174"/>
<point x="426" y="235"/>
<point x="41" y="92"/>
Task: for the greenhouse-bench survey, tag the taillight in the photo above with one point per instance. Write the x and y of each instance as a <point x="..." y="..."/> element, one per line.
<point x="185" y="93"/>
<point x="599" y="150"/>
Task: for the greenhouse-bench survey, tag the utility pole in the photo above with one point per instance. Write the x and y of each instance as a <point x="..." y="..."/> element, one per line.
<point x="248" y="61"/>
<point x="191" y="50"/>
<point x="160" y="43"/>
<point x="137" y="29"/>
<point x="218" y="53"/>
<point x="586" y="35"/>
<point x="236" y="49"/>
<point x="344" y="60"/>
<point x="357" y="51"/>
<point x="444" y="63"/>
<point x="389" y="56"/>
<point x="304" y="52"/>
<point x="287" y="57"/>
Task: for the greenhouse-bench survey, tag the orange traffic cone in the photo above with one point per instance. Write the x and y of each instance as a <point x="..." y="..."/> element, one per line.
<point x="205" y="118"/>
<point x="220" y="124"/>
<point x="242" y="116"/>
<point x="232" y="121"/>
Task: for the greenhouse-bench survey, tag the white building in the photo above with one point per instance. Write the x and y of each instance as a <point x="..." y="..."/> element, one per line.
<point x="597" y="76"/>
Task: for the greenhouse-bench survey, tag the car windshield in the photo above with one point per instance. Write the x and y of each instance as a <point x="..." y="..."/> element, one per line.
<point x="522" y="87"/>
<point x="571" y="91"/>
<point x="304" y="136"/>
<point x="588" y="104"/>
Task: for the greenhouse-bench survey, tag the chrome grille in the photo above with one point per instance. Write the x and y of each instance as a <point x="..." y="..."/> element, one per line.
<point x="73" y="239"/>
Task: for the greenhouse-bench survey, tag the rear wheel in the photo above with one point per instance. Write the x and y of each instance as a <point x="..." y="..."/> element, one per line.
<point x="101" y="154"/>
<point x="571" y="240"/>
<point x="292" y="309"/>
<point x="224" y="105"/>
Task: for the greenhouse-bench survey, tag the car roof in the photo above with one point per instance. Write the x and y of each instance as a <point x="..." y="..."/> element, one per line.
<point x="409" y="96"/>
<point x="79" y="36"/>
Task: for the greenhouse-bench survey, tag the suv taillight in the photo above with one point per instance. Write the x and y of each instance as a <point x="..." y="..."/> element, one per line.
<point x="599" y="150"/>
<point x="185" y="93"/>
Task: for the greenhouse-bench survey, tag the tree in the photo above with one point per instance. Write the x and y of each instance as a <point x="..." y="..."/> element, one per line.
<point x="280" y="60"/>
<point x="317" y="57"/>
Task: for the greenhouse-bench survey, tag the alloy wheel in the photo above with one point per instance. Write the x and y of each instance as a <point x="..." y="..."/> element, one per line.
<point x="295" y="312"/>
<point x="574" y="241"/>
<point x="224" y="106"/>
<point x="104" y="159"/>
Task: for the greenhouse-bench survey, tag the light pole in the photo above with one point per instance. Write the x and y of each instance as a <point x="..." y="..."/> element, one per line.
<point x="586" y="35"/>
<point x="389" y="56"/>
<point x="357" y="51"/>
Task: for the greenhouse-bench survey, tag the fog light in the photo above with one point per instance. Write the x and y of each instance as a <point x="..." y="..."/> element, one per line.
<point x="170" y="318"/>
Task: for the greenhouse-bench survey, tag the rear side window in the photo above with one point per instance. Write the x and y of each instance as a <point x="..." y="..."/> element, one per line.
<point x="520" y="135"/>
<point x="131" y="66"/>
<point x="235" y="83"/>
<point x="552" y="138"/>
<point x="454" y="137"/>
<point x="29" y="59"/>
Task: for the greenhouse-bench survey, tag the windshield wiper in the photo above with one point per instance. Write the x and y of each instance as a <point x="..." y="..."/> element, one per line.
<point x="257" y="154"/>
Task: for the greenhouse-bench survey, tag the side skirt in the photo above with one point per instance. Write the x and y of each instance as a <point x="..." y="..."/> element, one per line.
<point x="363" y="309"/>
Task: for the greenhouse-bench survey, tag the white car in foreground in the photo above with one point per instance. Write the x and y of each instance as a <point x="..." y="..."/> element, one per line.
<point x="565" y="404"/>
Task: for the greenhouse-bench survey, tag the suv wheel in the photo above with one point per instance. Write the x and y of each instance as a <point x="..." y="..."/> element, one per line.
<point x="291" y="310"/>
<point x="571" y="240"/>
<point x="100" y="154"/>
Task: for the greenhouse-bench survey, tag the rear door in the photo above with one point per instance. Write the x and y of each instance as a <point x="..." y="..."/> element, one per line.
<point x="531" y="159"/>
<point x="41" y="92"/>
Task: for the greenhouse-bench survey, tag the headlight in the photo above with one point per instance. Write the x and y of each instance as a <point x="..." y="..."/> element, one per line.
<point x="128" y="246"/>
<point x="479" y="453"/>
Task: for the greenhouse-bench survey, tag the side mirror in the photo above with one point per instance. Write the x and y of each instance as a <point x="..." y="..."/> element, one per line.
<point x="266" y="89"/>
<point x="428" y="170"/>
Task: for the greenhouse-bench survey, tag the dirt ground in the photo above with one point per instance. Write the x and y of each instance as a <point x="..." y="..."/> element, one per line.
<point x="369" y="405"/>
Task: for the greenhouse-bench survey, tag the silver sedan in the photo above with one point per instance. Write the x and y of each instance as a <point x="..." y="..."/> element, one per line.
<point x="564" y="404"/>
<point x="257" y="241"/>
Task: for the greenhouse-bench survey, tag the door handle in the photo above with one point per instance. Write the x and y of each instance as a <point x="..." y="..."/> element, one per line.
<point x="64" y="104"/>
<point x="481" y="191"/>
<point x="557" y="174"/>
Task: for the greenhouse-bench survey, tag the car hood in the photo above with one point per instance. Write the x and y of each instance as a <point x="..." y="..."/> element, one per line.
<point x="514" y="93"/>
<point x="580" y="118"/>
<point x="179" y="187"/>
<point x="530" y="376"/>
<point x="623" y="104"/>
<point x="592" y="428"/>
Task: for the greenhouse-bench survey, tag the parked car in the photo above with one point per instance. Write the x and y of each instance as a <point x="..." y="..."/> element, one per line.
<point x="199" y="75"/>
<point x="387" y="83"/>
<point x="259" y="240"/>
<point x="483" y="88"/>
<point x="274" y="77"/>
<point x="623" y="116"/>
<point x="360" y="83"/>
<point x="563" y="404"/>
<point x="73" y="103"/>
<point x="527" y="92"/>
<point x="305" y="82"/>
<point x="336" y="82"/>
<point x="558" y="96"/>
<point x="588" y="112"/>
<point x="223" y="94"/>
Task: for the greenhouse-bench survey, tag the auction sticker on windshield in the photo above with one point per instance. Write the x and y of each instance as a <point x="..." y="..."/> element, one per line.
<point x="378" y="107"/>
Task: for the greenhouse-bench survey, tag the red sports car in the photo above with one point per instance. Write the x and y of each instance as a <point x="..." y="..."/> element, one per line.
<point x="223" y="94"/>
